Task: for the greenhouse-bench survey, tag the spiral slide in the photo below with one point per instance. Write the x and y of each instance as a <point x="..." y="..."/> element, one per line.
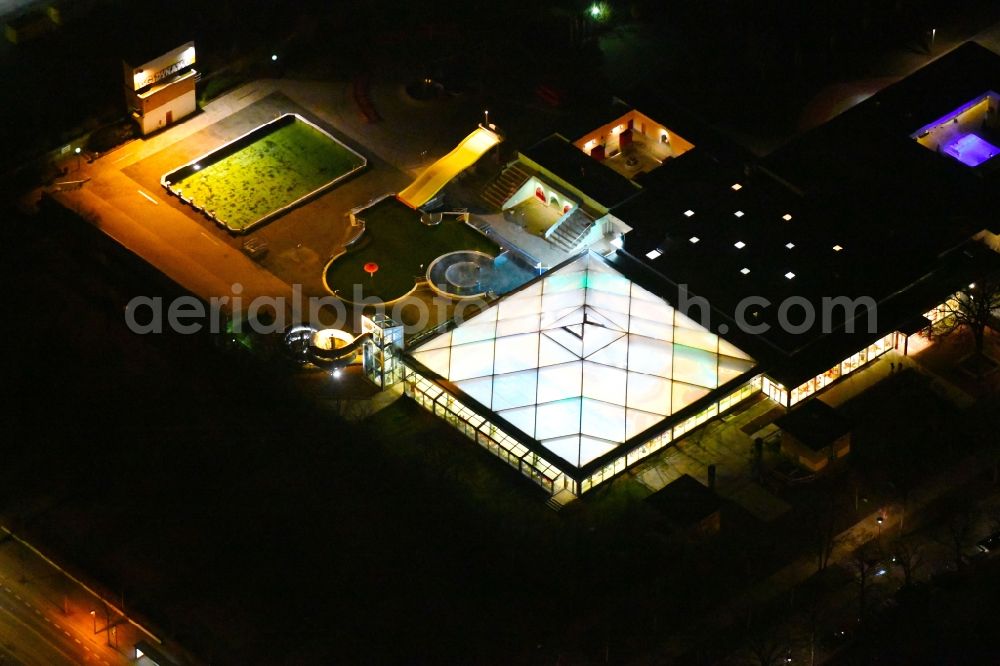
<point x="437" y="175"/>
<point x="334" y="347"/>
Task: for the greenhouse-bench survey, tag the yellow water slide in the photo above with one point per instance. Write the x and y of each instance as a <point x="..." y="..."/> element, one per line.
<point x="458" y="160"/>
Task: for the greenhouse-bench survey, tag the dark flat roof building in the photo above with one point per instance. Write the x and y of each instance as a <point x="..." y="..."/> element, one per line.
<point x="855" y="208"/>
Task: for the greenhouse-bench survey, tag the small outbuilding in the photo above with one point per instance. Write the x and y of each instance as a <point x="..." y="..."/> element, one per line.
<point x="161" y="90"/>
<point x="814" y="434"/>
<point x="689" y="506"/>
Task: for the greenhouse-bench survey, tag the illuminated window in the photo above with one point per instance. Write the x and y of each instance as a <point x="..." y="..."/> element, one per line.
<point x="837" y="248"/>
<point x="787" y="217"/>
<point x="688" y="213"/>
<point x="737" y="187"/>
<point x="653" y="254"/>
<point x="789" y="245"/>
<point x="739" y="245"/>
<point x="789" y="275"/>
<point x="694" y="239"/>
<point x="745" y="271"/>
<point x="738" y="213"/>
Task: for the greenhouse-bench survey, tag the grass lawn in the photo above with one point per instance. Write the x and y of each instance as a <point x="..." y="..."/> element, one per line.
<point x="396" y="240"/>
<point x="280" y="167"/>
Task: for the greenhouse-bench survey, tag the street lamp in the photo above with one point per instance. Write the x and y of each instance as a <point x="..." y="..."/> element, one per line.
<point x="879" y="520"/>
<point x="598" y="11"/>
<point x="486" y="122"/>
<point x="93" y="616"/>
<point x="77" y="151"/>
<point x="274" y="57"/>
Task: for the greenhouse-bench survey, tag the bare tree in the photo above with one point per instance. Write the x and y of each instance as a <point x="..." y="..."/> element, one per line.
<point x="767" y="645"/>
<point x="958" y="519"/>
<point x="972" y="309"/>
<point x="993" y="515"/>
<point x="823" y="521"/>
<point x="814" y="611"/>
<point x="863" y="563"/>
<point x="907" y="554"/>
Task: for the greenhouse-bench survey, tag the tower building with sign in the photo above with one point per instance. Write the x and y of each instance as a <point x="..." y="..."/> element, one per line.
<point x="161" y="90"/>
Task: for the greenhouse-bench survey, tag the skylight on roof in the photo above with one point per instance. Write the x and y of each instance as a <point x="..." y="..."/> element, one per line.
<point x="738" y="213"/>
<point x="688" y="213"/>
<point x="789" y="275"/>
<point x="790" y="245"/>
<point x="653" y="254"/>
<point x="787" y="217"/>
<point x="837" y="248"/>
<point x="745" y="270"/>
<point x="737" y="187"/>
<point x="694" y="239"/>
<point x="739" y="245"/>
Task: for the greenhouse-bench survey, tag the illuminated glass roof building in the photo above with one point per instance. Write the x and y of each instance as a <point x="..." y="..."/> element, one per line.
<point x="600" y="362"/>
<point x="581" y="372"/>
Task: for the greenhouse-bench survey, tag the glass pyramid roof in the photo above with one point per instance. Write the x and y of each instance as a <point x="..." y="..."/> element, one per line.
<point x="583" y="359"/>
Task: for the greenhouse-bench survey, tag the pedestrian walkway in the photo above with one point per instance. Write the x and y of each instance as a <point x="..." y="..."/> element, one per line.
<point x="861" y="380"/>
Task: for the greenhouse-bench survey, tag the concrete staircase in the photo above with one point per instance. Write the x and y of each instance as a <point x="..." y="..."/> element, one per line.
<point x="504" y="185"/>
<point x="558" y="501"/>
<point x="569" y="233"/>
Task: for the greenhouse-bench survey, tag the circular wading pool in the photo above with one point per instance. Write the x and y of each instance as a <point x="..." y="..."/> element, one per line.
<point x="462" y="274"/>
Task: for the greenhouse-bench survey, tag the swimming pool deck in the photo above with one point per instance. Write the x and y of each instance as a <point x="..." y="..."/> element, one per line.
<point x="532" y="248"/>
<point x="191" y="249"/>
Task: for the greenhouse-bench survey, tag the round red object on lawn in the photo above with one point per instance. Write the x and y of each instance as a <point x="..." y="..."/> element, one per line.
<point x="371" y="268"/>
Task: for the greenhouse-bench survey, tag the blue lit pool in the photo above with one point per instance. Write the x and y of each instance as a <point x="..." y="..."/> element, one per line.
<point x="968" y="134"/>
<point x="971" y="149"/>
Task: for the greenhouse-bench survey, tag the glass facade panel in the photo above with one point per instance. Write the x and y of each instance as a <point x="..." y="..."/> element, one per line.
<point x="697" y="338"/>
<point x="544" y="473"/>
<point x="695" y="366"/>
<point x="486" y="434"/>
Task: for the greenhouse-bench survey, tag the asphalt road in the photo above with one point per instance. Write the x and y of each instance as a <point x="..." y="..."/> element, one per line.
<point x="45" y="618"/>
<point x="30" y="636"/>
